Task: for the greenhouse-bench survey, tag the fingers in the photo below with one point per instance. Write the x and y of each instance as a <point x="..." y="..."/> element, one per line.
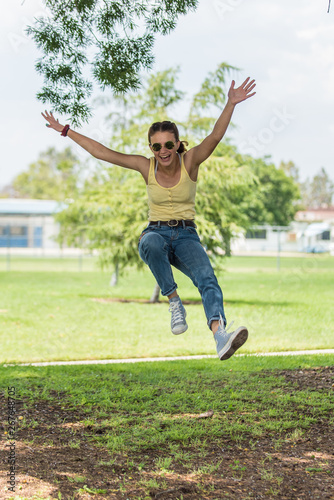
<point x="248" y="85"/>
<point x="250" y="95"/>
<point x="50" y="118"/>
<point x="47" y="116"/>
<point x="251" y="85"/>
<point x="251" y="88"/>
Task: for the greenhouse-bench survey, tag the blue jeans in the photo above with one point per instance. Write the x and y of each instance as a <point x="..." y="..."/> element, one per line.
<point x="162" y="246"/>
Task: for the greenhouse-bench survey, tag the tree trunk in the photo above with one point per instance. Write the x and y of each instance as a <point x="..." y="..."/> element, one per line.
<point x="228" y="248"/>
<point x="155" y="294"/>
<point x="114" y="276"/>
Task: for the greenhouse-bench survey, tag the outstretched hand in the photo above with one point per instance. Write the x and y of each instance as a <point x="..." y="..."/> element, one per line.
<point x="236" y="95"/>
<point x="53" y="123"/>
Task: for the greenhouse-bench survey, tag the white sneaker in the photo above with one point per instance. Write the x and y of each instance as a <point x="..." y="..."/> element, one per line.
<point x="178" y="320"/>
<point x="228" y="343"/>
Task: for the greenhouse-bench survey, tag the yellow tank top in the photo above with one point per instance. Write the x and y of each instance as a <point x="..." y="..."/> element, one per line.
<point x="177" y="202"/>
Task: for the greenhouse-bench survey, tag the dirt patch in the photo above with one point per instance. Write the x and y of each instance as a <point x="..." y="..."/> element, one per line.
<point x="56" y="458"/>
<point x="142" y="301"/>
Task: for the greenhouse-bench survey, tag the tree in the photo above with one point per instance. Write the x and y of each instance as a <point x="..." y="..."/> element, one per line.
<point x="54" y="176"/>
<point x="276" y="197"/>
<point x="209" y="100"/>
<point x="135" y="112"/>
<point x="290" y="169"/>
<point x="225" y="180"/>
<point x="318" y="192"/>
<point x="109" y="216"/>
<point x="114" y="38"/>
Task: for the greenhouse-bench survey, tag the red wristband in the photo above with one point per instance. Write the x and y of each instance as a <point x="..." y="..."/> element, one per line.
<point x="65" y="130"/>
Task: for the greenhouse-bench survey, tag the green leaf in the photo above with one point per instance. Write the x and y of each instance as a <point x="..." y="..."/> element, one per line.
<point x="112" y="41"/>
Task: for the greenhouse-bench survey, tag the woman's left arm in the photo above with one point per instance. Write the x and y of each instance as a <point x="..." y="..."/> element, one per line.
<point x="235" y="95"/>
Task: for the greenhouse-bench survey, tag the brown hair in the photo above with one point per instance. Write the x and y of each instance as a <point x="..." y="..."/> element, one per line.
<point x="167" y="126"/>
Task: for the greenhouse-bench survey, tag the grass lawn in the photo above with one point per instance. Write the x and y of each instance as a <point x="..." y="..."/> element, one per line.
<point x="48" y="311"/>
<point x="250" y="427"/>
<point x="253" y="427"/>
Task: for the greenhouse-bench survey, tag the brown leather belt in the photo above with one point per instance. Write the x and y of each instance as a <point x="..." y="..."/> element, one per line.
<point x="173" y="223"/>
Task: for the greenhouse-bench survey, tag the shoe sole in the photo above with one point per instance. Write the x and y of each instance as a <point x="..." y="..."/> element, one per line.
<point x="235" y="342"/>
<point x="177" y="332"/>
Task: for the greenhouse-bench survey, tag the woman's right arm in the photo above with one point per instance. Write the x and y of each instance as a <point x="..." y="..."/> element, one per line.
<point x="96" y="149"/>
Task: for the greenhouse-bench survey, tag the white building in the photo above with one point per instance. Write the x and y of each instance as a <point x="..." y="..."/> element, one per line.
<point x="26" y="223"/>
<point x="311" y="231"/>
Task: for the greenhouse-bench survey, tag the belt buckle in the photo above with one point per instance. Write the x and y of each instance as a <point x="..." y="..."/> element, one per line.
<point x="169" y="223"/>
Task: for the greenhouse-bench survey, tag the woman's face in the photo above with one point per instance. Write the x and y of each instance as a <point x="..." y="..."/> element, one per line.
<point x="164" y="156"/>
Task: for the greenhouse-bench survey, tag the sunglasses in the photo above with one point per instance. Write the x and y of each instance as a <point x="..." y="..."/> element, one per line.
<point x="157" y="146"/>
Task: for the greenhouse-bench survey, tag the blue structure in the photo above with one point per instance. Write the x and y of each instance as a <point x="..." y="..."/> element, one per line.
<point x="26" y="223"/>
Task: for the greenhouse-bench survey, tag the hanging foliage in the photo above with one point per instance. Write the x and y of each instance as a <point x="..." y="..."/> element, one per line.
<point x="113" y="38"/>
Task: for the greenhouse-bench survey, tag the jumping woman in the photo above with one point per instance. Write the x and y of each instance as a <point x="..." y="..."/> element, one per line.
<point x="171" y="239"/>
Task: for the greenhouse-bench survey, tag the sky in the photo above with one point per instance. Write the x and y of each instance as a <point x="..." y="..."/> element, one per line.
<point x="287" y="47"/>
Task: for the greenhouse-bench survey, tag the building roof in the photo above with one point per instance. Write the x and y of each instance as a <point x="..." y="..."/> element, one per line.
<point x="315" y="214"/>
<point x="18" y="206"/>
<point x="317" y="228"/>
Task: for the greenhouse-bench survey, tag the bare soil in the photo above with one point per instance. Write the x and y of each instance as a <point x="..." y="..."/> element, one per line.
<point x="48" y="466"/>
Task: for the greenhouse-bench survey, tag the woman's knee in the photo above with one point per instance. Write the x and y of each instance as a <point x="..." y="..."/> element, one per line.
<point x="151" y="244"/>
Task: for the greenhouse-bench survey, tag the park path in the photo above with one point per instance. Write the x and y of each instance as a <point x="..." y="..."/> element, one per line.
<point x="171" y="358"/>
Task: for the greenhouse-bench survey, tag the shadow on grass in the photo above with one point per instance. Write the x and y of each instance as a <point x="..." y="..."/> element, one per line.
<point x="257" y="302"/>
<point x="194" y="302"/>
